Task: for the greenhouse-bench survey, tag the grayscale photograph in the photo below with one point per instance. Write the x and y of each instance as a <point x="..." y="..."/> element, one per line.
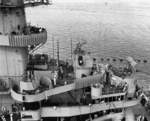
<point x="74" y="60"/>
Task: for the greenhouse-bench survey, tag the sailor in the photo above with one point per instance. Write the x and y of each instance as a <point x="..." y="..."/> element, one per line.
<point x="61" y="72"/>
<point x="125" y="87"/>
<point x="3" y="108"/>
<point x="55" y="77"/>
<point x="108" y="74"/>
<point x="145" y="119"/>
<point x="143" y="100"/>
<point x="131" y="64"/>
<point x="11" y="117"/>
<point x="3" y="118"/>
<point x="94" y="67"/>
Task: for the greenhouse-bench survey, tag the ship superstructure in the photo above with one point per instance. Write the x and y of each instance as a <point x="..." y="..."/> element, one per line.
<point x="90" y="92"/>
<point x="16" y="40"/>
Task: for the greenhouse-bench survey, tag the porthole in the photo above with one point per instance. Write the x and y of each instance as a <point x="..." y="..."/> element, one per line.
<point x="121" y="60"/>
<point x="145" y="61"/>
<point x="114" y="60"/>
<point x="108" y="59"/>
<point x="138" y="61"/>
<point x="102" y="59"/>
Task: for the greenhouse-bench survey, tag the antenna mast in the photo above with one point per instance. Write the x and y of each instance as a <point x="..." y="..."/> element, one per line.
<point x="58" y="53"/>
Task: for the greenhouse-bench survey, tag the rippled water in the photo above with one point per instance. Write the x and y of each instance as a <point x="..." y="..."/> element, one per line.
<point x="116" y="29"/>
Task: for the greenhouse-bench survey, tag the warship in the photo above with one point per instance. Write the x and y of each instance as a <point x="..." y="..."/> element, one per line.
<point x="86" y="90"/>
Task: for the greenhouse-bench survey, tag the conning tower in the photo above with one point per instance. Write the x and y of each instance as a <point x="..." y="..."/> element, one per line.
<point x="16" y="40"/>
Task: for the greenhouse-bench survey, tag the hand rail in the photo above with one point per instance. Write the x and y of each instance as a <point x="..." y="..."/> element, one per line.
<point x="68" y="111"/>
<point x="30" y="39"/>
<point x="85" y="82"/>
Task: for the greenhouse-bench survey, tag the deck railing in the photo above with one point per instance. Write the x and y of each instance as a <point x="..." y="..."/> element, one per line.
<point x="68" y="111"/>
<point x="30" y="3"/>
<point x="30" y="39"/>
<point x="25" y="3"/>
<point x="36" y="1"/>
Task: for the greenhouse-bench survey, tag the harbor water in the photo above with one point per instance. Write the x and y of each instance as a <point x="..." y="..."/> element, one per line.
<point x="111" y="28"/>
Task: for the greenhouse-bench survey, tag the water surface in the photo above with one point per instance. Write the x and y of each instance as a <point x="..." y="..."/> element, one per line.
<point x="117" y="28"/>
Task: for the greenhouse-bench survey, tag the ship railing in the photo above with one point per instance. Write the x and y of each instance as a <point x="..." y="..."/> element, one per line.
<point x="85" y="82"/>
<point x="27" y="98"/>
<point x="67" y="111"/>
<point x="25" y="3"/>
<point x="30" y="3"/>
<point x="113" y="91"/>
<point x="29" y="39"/>
<point x="36" y="1"/>
<point x="112" y="95"/>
